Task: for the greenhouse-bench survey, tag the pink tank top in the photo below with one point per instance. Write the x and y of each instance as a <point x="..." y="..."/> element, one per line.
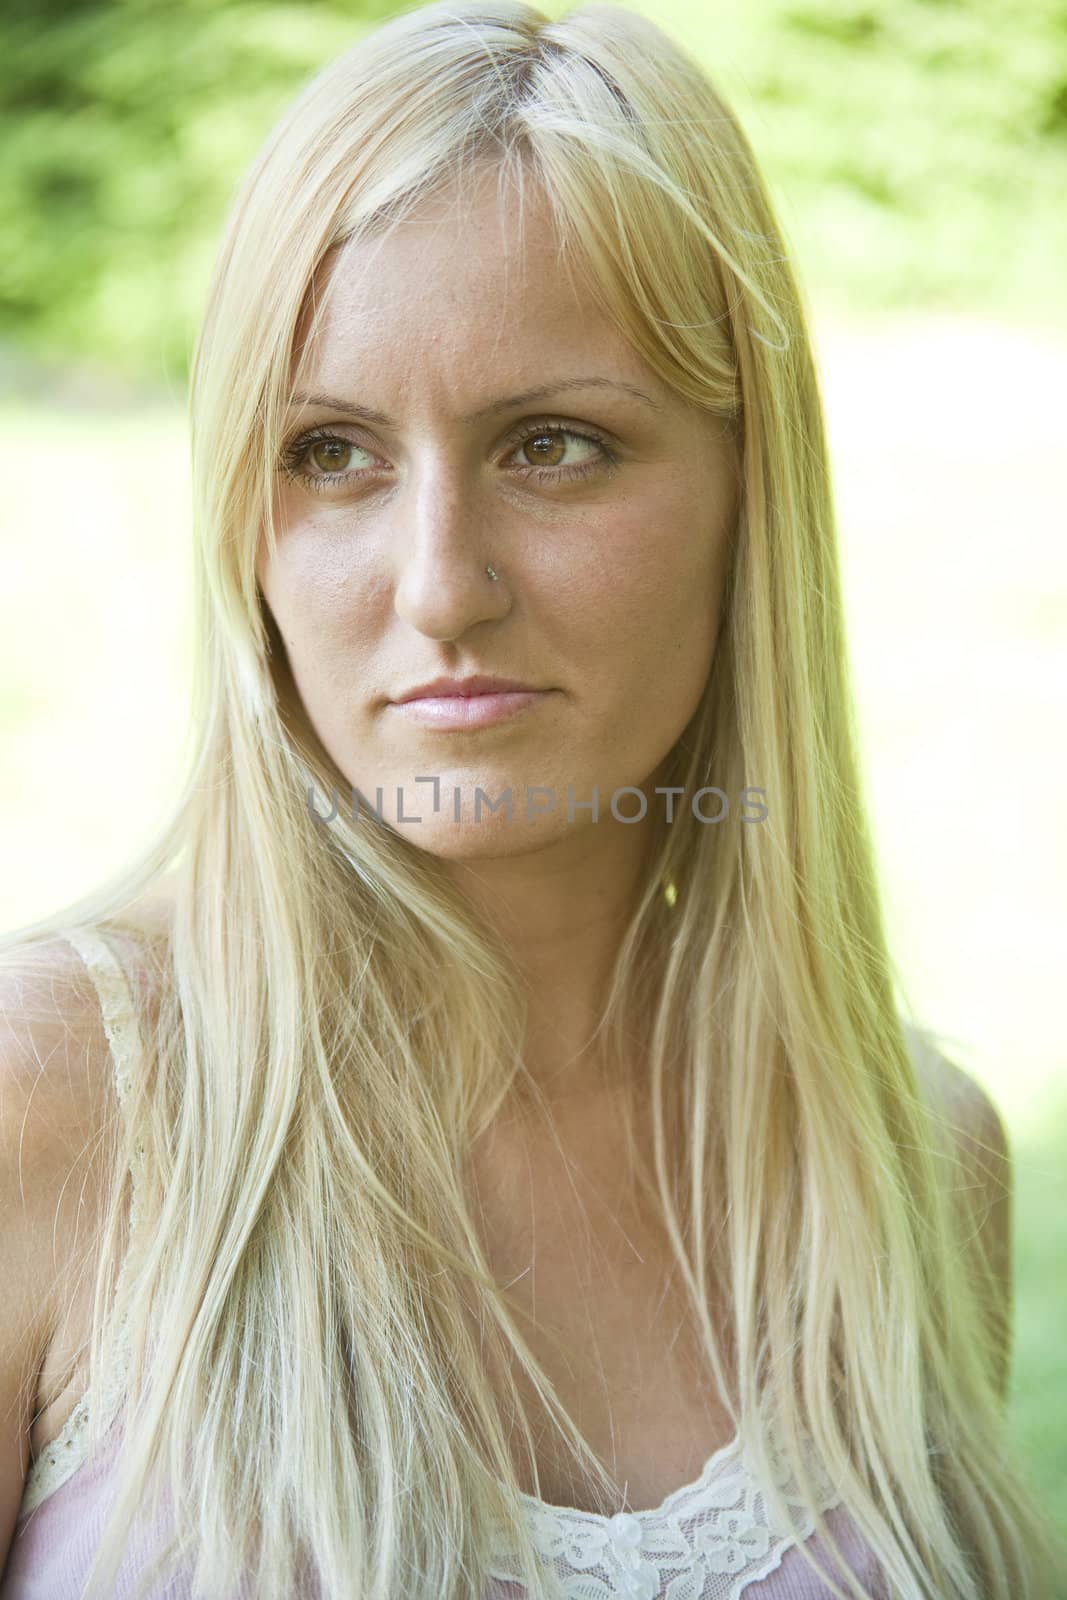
<point x="713" y="1539"/>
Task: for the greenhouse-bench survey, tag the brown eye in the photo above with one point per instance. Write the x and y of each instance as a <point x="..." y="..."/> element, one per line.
<point x="323" y="461"/>
<point x="545" y="449"/>
<point x="330" y="455"/>
<point x="542" y="453"/>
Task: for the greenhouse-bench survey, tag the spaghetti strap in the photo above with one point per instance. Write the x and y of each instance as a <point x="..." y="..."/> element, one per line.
<point x="119" y="1018"/>
<point x="60" y="1459"/>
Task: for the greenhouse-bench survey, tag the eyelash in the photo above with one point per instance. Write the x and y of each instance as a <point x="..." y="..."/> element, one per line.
<point x="294" y="454"/>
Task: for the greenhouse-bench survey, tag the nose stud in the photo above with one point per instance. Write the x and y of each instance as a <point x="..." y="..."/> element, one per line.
<point x="491" y="573"/>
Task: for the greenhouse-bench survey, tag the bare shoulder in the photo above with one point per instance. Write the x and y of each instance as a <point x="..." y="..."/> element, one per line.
<point x="59" y="1109"/>
<point x="980" y="1178"/>
<point x="56" y="1103"/>
<point x="967" y="1111"/>
<point x="53" y="1051"/>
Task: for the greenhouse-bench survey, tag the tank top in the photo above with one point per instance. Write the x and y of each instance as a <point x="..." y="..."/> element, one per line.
<point x="713" y="1539"/>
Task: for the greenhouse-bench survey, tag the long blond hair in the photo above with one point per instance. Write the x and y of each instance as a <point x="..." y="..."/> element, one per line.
<point x="314" y="1323"/>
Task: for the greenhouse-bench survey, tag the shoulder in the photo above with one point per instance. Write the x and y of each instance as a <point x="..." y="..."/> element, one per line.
<point x="968" y="1113"/>
<point x="59" y="1104"/>
<point x="56" y="1106"/>
<point x="60" y="1111"/>
<point x="53" y="1044"/>
<point x="979" y="1176"/>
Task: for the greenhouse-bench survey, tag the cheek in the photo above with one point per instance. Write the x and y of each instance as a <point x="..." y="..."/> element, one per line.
<point x="657" y="604"/>
<point x="320" y="599"/>
<point x="314" y="580"/>
<point x="315" y="621"/>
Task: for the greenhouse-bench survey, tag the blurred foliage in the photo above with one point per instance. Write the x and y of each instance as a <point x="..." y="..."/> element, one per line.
<point x="921" y="146"/>
<point x="125" y="126"/>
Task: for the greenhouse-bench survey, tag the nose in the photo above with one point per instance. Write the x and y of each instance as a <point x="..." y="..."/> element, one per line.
<point x="444" y="544"/>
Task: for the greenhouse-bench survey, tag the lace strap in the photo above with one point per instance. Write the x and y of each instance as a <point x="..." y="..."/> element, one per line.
<point x="119" y="1017"/>
<point x="60" y="1459"/>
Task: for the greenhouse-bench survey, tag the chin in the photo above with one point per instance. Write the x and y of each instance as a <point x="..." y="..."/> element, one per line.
<point x="488" y="840"/>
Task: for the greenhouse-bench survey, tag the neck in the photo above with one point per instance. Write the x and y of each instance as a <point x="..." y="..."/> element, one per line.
<point x="563" y="913"/>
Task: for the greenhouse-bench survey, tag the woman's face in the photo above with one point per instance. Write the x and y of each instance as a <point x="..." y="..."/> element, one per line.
<point x="605" y="512"/>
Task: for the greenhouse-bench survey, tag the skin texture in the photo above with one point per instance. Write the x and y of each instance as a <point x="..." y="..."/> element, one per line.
<point x="609" y="584"/>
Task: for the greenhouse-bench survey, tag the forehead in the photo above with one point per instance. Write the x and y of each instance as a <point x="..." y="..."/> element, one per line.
<point x="472" y="281"/>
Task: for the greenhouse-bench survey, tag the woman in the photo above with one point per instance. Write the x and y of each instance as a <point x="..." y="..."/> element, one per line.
<point x="515" y="1088"/>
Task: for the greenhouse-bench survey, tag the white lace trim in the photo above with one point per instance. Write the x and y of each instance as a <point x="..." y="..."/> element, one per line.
<point x="707" y="1541"/>
<point x="60" y="1459"/>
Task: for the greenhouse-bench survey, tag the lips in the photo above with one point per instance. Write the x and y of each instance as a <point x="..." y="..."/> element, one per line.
<point x="463" y="688"/>
<point x="466" y="712"/>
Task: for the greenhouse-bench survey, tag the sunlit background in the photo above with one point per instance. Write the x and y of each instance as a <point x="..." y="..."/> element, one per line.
<point x="917" y="154"/>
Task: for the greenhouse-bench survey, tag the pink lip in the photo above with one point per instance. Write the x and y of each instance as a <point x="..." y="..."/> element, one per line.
<point x="454" y="687"/>
<point x="468" y="711"/>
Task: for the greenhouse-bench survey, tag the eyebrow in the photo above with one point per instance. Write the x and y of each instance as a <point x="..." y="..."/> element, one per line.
<point x="332" y="403"/>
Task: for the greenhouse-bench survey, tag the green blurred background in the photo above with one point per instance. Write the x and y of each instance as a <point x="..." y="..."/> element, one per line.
<point x="917" y="152"/>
